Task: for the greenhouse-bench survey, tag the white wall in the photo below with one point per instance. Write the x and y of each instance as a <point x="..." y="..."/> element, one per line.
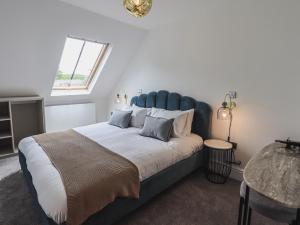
<point x="32" y="37"/>
<point x="70" y="116"/>
<point x="249" y="46"/>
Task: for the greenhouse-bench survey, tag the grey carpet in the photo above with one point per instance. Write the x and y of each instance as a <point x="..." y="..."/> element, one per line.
<point x="193" y="201"/>
<point x="9" y="166"/>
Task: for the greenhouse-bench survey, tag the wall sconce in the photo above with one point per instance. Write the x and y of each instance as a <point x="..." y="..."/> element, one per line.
<point x="118" y="100"/>
<point x="126" y="98"/>
<point x="225" y="112"/>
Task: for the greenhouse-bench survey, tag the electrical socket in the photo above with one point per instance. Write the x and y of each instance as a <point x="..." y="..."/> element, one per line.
<point x="233" y="94"/>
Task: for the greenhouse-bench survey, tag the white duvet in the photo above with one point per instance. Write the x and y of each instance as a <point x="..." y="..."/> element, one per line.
<point x="148" y="154"/>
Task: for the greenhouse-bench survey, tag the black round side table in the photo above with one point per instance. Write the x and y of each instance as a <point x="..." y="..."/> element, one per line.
<point x="219" y="158"/>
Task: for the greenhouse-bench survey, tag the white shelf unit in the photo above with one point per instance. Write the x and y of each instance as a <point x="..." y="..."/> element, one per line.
<point x="20" y="117"/>
<point x="4" y="118"/>
<point x="5" y="135"/>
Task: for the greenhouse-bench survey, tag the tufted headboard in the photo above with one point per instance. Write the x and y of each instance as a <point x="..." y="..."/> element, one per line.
<point x="174" y="101"/>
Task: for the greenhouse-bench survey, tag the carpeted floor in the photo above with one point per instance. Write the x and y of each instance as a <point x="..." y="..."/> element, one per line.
<point x="193" y="201"/>
<point x="9" y="166"/>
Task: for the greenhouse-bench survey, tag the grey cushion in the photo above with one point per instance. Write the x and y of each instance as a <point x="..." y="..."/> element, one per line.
<point x="268" y="207"/>
<point x="159" y="128"/>
<point x="120" y="118"/>
<point x="138" y="116"/>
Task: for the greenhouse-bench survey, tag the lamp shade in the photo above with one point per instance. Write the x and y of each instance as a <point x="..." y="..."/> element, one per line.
<point x="138" y="8"/>
<point x="224" y="113"/>
<point x="118" y="100"/>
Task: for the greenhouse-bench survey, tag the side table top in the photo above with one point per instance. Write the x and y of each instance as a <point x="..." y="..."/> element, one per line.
<point x="218" y="144"/>
<point x="275" y="173"/>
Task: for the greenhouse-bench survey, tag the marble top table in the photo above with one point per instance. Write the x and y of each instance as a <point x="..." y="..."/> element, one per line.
<point x="275" y="173"/>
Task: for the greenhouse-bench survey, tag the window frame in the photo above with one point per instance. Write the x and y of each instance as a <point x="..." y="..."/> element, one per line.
<point x="100" y="59"/>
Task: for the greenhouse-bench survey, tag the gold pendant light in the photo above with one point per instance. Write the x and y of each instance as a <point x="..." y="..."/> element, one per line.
<point x="138" y="8"/>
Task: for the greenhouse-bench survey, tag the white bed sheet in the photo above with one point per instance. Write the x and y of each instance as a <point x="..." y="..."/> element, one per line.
<point x="148" y="154"/>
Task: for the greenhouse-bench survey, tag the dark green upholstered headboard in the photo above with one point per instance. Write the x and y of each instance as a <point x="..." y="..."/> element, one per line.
<point x="174" y="101"/>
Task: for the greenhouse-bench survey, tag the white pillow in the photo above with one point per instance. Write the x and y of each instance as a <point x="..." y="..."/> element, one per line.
<point x="130" y="108"/>
<point x="138" y="116"/>
<point x="182" y="125"/>
<point x="126" y="108"/>
<point x="189" y="122"/>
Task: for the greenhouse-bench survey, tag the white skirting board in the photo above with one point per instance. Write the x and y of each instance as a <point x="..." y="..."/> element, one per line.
<point x="63" y="117"/>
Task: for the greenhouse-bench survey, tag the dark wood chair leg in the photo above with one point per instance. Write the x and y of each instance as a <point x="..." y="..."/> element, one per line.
<point x="241" y="211"/>
<point x="245" y="214"/>
<point x="249" y="216"/>
<point x="297" y="222"/>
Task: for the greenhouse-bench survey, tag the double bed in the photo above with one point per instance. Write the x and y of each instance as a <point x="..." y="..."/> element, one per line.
<point x="160" y="164"/>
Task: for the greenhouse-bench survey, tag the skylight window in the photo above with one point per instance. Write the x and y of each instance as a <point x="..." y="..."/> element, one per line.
<point x="80" y="65"/>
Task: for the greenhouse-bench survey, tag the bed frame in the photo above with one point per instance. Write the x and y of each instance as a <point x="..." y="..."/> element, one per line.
<point x="158" y="182"/>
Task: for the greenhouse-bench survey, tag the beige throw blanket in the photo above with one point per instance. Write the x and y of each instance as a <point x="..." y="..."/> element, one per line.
<point x="93" y="176"/>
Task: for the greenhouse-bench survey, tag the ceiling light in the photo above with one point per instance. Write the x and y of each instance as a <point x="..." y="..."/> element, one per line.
<point x="138" y="8"/>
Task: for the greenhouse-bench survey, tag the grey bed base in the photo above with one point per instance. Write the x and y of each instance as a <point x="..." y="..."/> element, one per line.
<point x="123" y="206"/>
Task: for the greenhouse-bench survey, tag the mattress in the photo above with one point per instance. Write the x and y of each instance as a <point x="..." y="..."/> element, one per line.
<point x="148" y="154"/>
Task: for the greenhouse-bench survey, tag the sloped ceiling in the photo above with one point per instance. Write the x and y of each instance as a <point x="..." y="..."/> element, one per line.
<point x="163" y="11"/>
<point x="32" y="37"/>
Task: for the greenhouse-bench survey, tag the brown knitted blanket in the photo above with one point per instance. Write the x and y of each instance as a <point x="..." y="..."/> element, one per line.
<point x="93" y="176"/>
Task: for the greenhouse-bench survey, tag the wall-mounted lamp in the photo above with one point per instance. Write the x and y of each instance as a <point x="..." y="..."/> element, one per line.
<point x="225" y="112"/>
<point x="126" y="98"/>
<point x="118" y="100"/>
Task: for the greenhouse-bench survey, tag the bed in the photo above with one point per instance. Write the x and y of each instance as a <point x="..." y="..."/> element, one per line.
<point x="160" y="164"/>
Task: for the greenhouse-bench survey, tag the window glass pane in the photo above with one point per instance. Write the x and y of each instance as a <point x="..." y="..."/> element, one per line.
<point x="78" y="64"/>
<point x="86" y="63"/>
<point x="68" y="62"/>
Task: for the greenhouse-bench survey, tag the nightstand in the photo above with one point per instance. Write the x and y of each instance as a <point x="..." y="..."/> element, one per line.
<point x="219" y="159"/>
